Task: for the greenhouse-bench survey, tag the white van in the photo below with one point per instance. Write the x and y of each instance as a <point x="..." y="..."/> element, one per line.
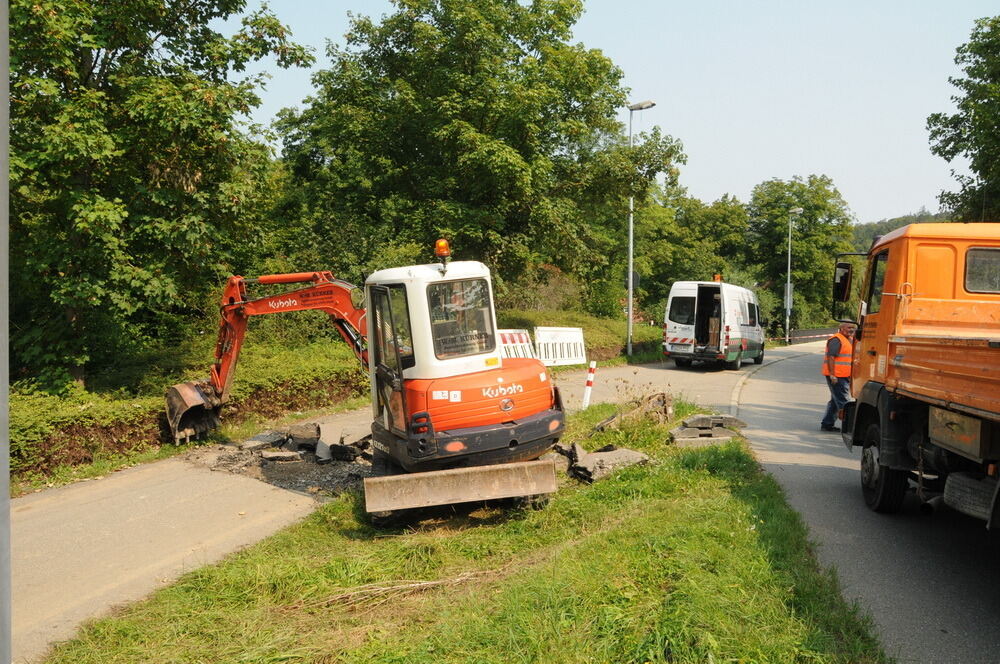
<point x="712" y="321"/>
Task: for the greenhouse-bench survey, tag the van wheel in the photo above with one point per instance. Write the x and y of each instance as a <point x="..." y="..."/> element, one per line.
<point x="682" y="362"/>
<point x="735" y="364"/>
<point x="760" y="357"/>
<point x="884" y="488"/>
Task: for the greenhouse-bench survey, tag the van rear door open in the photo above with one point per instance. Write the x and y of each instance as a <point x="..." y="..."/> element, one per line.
<point x="712" y="321"/>
<point x="708" y="315"/>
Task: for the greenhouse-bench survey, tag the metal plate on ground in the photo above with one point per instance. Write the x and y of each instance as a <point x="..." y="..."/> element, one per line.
<point x="459" y="485"/>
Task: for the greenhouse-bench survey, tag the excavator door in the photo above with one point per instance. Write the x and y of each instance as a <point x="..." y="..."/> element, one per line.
<point x="392" y="351"/>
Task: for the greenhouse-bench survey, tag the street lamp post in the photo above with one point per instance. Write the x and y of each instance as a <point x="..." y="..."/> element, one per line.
<point x="788" y="273"/>
<point x="641" y="106"/>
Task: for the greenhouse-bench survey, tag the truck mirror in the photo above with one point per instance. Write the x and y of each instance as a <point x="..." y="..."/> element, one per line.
<point x="842" y="282"/>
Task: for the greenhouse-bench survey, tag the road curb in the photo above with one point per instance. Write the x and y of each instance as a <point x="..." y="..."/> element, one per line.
<point x="734" y="396"/>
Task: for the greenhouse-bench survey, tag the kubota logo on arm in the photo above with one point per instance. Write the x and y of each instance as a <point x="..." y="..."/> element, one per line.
<point x="502" y="390"/>
<point x="281" y="304"/>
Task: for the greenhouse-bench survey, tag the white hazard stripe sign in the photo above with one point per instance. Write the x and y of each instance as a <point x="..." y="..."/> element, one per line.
<point x="516" y="344"/>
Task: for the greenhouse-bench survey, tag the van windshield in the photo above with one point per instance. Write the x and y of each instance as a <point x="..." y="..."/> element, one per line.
<point x="681" y="311"/>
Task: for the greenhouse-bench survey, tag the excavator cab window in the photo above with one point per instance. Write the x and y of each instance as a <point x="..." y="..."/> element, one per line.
<point x="461" y="318"/>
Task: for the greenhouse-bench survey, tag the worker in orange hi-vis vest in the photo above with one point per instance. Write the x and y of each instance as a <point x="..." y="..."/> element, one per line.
<point x="837" y="373"/>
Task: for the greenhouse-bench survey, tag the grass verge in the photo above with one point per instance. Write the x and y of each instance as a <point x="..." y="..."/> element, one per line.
<point x="693" y="558"/>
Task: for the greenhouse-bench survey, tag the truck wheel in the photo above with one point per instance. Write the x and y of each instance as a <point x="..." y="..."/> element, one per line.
<point x="884" y="488"/>
<point x="735" y="364"/>
<point x="682" y="362"/>
<point x="760" y="357"/>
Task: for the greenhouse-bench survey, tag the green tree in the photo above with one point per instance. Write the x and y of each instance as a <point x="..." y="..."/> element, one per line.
<point x="475" y="120"/>
<point x="679" y="237"/>
<point x="818" y="234"/>
<point x="973" y="132"/>
<point x="132" y="180"/>
<point x="865" y="234"/>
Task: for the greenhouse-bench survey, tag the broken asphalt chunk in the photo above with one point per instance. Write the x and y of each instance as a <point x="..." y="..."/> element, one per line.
<point x="711" y="421"/>
<point x="598" y="465"/>
<point x="263" y="440"/>
<point x="280" y="455"/>
<point x="561" y="461"/>
<point x="302" y="435"/>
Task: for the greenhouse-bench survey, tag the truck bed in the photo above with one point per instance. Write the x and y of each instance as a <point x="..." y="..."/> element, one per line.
<point x="948" y="353"/>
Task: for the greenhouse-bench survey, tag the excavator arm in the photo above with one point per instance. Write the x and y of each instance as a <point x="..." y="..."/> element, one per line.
<point x="193" y="407"/>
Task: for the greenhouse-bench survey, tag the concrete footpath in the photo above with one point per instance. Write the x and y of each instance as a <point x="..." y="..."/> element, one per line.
<point x="82" y="549"/>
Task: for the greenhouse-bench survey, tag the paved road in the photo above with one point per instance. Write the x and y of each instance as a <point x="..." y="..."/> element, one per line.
<point x="932" y="583"/>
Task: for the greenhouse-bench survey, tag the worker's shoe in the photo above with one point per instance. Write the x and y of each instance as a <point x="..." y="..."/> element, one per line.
<point x="823" y="427"/>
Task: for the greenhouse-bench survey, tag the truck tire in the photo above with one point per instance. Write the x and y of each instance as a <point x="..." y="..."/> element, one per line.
<point x="682" y="362"/>
<point x="967" y="494"/>
<point x="883" y="488"/>
<point x="735" y="364"/>
<point x="760" y="357"/>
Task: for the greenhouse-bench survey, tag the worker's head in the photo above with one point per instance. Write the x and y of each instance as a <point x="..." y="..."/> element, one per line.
<point x="847" y="329"/>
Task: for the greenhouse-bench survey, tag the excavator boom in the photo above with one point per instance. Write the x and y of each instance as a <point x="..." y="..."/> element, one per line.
<point x="193" y="407"/>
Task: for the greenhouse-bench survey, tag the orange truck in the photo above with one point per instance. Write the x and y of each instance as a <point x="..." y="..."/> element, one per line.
<point x="926" y="368"/>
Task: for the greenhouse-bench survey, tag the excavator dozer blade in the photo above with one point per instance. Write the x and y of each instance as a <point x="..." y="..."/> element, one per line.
<point x="459" y="485"/>
<point x="192" y="410"/>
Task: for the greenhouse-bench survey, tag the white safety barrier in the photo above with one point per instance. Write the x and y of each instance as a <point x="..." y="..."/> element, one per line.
<point x="559" y="346"/>
<point x="515" y="343"/>
<point x="590" y="384"/>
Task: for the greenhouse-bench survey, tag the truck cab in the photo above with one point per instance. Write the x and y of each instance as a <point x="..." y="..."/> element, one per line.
<point x="926" y="366"/>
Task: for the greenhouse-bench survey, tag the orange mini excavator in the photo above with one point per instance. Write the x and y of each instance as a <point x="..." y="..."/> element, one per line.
<point x="465" y="423"/>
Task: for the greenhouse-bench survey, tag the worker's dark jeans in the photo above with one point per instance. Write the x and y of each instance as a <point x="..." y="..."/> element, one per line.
<point x="839" y="393"/>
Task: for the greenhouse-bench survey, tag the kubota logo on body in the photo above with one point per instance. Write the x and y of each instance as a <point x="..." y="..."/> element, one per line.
<point x="502" y="390"/>
<point x="280" y="304"/>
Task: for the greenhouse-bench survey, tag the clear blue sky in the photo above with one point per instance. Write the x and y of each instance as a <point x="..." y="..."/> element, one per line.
<point x="755" y="89"/>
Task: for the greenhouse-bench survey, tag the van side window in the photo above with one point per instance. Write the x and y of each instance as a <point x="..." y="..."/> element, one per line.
<point x="681" y="310"/>
<point x="877" y="282"/>
<point x="751" y="314"/>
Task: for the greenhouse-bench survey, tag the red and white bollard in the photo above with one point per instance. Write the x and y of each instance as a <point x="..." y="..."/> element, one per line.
<point x="590" y="384"/>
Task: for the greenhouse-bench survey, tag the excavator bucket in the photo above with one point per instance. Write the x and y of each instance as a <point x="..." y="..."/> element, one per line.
<point x="459" y="485"/>
<point x="192" y="410"/>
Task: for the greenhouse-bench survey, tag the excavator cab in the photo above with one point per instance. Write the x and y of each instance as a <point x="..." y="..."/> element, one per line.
<point x="442" y="394"/>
